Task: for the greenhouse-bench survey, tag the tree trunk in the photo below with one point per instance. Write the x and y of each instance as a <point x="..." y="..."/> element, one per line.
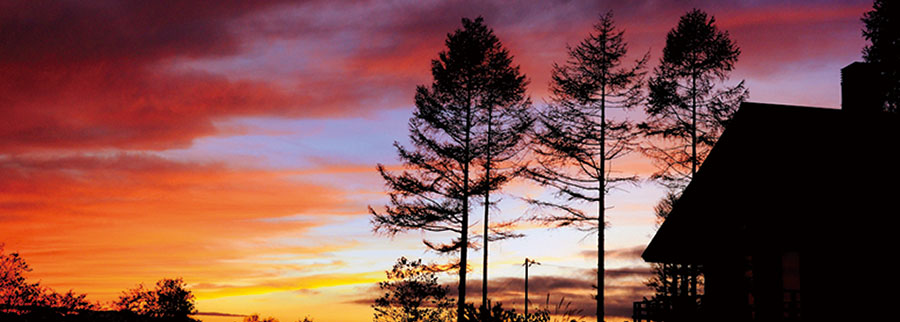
<point x="464" y="239"/>
<point x="601" y="224"/>
<point x="487" y="207"/>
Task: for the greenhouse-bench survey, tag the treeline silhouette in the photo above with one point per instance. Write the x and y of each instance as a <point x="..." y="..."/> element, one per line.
<point x="169" y="300"/>
<point x="21" y="300"/>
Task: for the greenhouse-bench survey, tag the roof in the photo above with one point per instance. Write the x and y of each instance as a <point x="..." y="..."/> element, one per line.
<point x="777" y="177"/>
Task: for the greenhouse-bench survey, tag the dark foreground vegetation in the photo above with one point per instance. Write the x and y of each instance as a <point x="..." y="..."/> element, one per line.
<point x="41" y="314"/>
<point x="412" y="293"/>
<point x="169" y="300"/>
<point x="21" y="300"/>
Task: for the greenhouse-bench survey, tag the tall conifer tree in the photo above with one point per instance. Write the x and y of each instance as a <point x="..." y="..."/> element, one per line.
<point x="576" y="139"/>
<point x="687" y="113"/>
<point x="471" y="116"/>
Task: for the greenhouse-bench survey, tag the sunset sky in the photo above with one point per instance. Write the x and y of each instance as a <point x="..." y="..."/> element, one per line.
<point x="235" y="144"/>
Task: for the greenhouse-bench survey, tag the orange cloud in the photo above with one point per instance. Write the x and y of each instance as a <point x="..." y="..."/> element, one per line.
<point x="100" y="224"/>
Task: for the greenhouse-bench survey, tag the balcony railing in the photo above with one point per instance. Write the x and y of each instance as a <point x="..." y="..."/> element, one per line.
<point x="792" y="305"/>
<point x="674" y="308"/>
<point x="690" y="308"/>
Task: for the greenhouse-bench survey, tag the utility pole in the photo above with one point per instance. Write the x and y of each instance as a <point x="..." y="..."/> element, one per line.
<point x="528" y="262"/>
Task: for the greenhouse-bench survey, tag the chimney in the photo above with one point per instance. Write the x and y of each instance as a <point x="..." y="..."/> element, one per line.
<point x="861" y="88"/>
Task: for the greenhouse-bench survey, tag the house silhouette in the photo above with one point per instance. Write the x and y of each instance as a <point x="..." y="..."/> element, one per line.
<point x="790" y="217"/>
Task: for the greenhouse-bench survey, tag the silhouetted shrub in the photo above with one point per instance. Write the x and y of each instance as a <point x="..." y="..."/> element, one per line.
<point x="412" y="293"/>
<point x="169" y="300"/>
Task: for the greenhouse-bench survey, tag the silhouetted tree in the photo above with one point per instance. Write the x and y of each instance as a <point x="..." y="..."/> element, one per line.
<point x="687" y="112"/>
<point x="576" y="140"/>
<point x="473" y="79"/>
<point x="15" y="291"/>
<point x="497" y="313"/>
<point x="18" y="296"/>
<point x="412" y="293"/>
<point x="882" y="30"/>
<point x="255" y="318"/>
<point x="170" y="299"/>
<point x="174" y="299"/>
